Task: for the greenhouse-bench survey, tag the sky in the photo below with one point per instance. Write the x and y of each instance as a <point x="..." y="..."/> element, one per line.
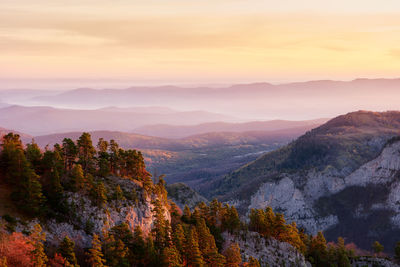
<point x="197" y="42"/>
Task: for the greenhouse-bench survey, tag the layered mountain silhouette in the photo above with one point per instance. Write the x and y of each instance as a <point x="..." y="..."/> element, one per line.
<point x="323" y="98"/>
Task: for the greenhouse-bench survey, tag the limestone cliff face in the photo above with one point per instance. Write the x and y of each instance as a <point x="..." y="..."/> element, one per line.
<point x="269" y="252"/>
<point x="317" y="200"/>
<point x="95" y="219"/>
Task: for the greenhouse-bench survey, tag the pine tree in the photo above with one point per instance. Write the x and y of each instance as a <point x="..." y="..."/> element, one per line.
<point x="66" y="249"/>
<point x="27" y="190"/>
<point x="178" y="238"/>
<point x="187" y="215"/>
<point x="115" y="251"/>
<point x="95" y="256"/>
<point x="70" y="152"/>
<point x="342" y="255"/>
<point x="123" y="233"/>
<point x="86" y="152"/>
<point x="99" y="194"/>
<point x="103" y="159"/>
<point x="114" y="157"/>
<point x="232" y="255"/>
<point x="318" y="250"/>
<point x="207" y="245"/>
<point x="38" y="237"/>
<point x="151" y="257"/>
<point x="175" y="213"/>
<point x="192" y="251"/>
<point x="231" y="221"/>
<point x="138" y="247"/>
<point x="160" y="226"/>
<point x="171" y="257"/>
<point x="77" y="178"/>
<point x="34" y="155"/>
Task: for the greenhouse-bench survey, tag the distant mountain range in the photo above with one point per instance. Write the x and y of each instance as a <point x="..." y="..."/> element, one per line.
<point x="262" y="101"/>
<point x="43" y="120"/>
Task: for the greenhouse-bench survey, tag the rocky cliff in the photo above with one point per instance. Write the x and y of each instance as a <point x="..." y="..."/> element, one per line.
<point x="269" y="252"/>
<point x="342" y="178"/>
<point x="89" y="218"/>
<point x="331" y="203"/>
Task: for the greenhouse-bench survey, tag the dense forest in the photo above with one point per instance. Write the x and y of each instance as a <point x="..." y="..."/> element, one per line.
<point x="42" y="181"/>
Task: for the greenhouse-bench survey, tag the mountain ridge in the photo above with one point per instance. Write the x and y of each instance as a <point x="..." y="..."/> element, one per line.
<point x="319" y="179"/>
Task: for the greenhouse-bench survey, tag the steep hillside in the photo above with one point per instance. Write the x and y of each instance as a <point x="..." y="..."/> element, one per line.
<point x="331" y="178"/>
<point x="343" y="143"/>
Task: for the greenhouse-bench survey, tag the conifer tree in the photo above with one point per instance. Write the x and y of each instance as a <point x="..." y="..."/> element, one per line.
<point x="67" y="250"/>
<point x="192" y="253"/>
<point x="171" y="257"/>
<point x="95" y="256"/>
<point x="318" y="250"/>
<point x="34" y="155"/>
<point x="160" y="228"/>
<point x="103" y="159"/>
<point x="151" y="257"/>
<point x="99" y="194"/>
<point x="342" y="255"/>
<point x="27" y="190"/>
<point x="70" y="152"/>
<point x="187" y="215"/>
<point x="207" y="245"/>
<point x="115" y="251"/>
<point x="138" y="247"/>
<point x="178" y="238"/>
<point x="114" y="157"/>
<point x="86" y="152"/>
<point x="232" y="255"/>
<point x="77" y="179"/>
<point x="38" y="237"/>
<point x="175" y="213"/>
<point x="231" y="221"/>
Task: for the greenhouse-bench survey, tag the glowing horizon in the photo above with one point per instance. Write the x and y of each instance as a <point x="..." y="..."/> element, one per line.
<point x="225" y="41"/>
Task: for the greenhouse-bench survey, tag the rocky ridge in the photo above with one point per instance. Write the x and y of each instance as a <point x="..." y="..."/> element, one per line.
<point x="308" y="204"/>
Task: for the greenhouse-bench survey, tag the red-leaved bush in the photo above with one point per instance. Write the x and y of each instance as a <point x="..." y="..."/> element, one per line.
<point x="16" y="249"/>
<point x="57" y="261"/>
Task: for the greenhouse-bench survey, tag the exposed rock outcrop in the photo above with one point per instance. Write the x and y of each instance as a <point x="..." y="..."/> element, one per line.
<point x="313" y="204"/>
<point x="94" y="219"/>
<point x="269" y="252"/>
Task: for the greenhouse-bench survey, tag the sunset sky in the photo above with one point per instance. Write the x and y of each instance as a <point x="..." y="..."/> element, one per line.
<point x="204" y="41"/>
